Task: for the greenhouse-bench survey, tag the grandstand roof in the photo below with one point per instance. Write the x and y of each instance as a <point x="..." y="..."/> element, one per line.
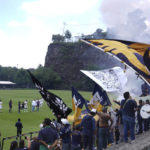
<point x="6" y="82"/>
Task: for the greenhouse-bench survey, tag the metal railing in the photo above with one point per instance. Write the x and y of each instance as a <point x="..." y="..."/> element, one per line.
<point x="15" y="137"/>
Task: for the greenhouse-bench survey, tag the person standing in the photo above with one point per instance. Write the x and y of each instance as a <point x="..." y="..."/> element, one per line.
<point x="146" y="121"/>
<point x="1" y="105"/>
<point x="38" y="105"/>
<point x="19" y="127"/>
<point x="76" y="138"/>
<point x="139" y="118"/>
<point x="145" y="89"/>
<point x="65" y="134"/>
<point x="25" y="105"/>
<point x="112" y="114"/>
<point x="13" y="145"/>
<point x="22" y="145"/>
<point x="129" y="107"/>
<point x="10" y="105"/>
<point x="117" y="134"/>
<point x="103" y="128"/>
<point x="48" y="136"/>
<point x="19" y="106"/>
<point x="88" y="126"/>
<point x="33" y="105"/>
<point x="22" y="106"/>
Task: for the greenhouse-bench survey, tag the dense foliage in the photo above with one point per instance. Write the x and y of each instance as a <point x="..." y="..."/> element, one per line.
<point x="46" y="76"/>
<point x="49" y="78"/>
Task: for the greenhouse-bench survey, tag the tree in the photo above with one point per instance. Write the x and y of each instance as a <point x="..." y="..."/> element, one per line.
<point x="68" y="34"/>
<point x="22" y="78"/>
<point x="99" y="34"/>
<point x="56" y="38"/>
<point x="48" y="77"/>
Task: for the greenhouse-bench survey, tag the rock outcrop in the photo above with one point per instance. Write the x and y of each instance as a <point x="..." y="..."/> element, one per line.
<point x="67" y="59"/>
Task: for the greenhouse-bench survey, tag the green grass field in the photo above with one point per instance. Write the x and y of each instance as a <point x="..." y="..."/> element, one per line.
<point x="30" y="120"/>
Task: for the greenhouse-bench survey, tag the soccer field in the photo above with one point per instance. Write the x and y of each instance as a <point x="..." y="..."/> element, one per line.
<point x="31" y="120"/>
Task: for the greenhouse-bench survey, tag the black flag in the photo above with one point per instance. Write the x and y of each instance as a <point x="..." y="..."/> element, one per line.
<point x="55" y="103"/>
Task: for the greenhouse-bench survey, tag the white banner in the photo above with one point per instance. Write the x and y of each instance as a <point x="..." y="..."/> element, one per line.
<point x="110" y="80"/>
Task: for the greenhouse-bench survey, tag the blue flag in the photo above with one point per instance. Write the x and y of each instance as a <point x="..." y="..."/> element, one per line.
<point x="77" y="99"/>
<point x="100" y="96"/>
<point x="77" y="103"/>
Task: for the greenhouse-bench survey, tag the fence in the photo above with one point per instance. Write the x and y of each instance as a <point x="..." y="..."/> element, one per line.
<point x="2" y="140"/>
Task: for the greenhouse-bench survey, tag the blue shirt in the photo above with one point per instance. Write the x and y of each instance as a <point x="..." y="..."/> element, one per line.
<point x="88" y="125"/>
<point x="65" y="134"/>
<point x="19" y="125"/>
<point x="76" y="138"/>
<point x="48" y="134"/>
<point x="128" y="108"/>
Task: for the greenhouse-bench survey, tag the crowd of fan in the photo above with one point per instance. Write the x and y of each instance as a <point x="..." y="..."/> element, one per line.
<point x="111" y="128"/>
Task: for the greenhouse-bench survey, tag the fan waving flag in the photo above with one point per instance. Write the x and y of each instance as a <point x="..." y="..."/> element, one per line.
<point x="99" y="98"/>
<point x="55" y="103"/>
<point x="77" y="104"/>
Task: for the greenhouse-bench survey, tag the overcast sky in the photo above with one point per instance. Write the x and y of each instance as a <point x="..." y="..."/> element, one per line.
<point x="26" y="27"/>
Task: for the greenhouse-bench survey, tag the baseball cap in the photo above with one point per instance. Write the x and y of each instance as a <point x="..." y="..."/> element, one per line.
<point x="93" y="110"/>
<point x="64" y="121"/>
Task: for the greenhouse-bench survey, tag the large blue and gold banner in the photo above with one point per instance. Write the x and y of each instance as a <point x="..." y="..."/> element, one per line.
<point x="129" y="53"/>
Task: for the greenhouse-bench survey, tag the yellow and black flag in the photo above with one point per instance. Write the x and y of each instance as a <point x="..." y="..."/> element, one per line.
<point x="77" y="104"/>
<point x="130" y="53"/>
<point x="99" y="98"/>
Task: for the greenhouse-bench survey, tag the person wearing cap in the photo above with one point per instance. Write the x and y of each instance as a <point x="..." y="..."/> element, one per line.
<point x="88" y="126"/>
<point x="48" y="137"/>
<point x="65" y="134"/>
<point x="103" y="128"/>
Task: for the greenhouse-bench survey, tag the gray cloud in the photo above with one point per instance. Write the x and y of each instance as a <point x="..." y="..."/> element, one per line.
<point x="127" y="20"/>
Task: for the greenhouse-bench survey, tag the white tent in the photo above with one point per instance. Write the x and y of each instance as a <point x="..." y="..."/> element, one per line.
<point x="6" y="82"/>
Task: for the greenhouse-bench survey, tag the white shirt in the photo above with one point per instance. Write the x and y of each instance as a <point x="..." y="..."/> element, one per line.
<point x="25" y="104"/>
<point x="33" y="103"/>
<point x="1" y="105"/>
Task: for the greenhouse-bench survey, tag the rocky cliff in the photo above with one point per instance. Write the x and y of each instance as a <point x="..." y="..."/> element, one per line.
<point x="67" y="59"/>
